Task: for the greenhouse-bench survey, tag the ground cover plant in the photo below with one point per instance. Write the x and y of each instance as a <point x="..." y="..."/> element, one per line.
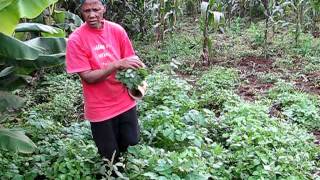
<point x="249" y="111"/>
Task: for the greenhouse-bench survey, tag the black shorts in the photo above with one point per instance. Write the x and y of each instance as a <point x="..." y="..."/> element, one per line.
<point x="116" y="134"/>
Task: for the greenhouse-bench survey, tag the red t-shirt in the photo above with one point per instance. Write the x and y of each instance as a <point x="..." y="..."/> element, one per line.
<point x="91" y="49"/>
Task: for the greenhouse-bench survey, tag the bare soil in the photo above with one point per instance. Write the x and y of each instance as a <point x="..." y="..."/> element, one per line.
<point x="309" y="82"/>
<point x="248" y="67"/>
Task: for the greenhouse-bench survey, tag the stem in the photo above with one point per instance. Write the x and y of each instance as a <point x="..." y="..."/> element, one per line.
<point x="266" y="38"/>
<point x="205" y="49"/>
<point x="297" y="28"/>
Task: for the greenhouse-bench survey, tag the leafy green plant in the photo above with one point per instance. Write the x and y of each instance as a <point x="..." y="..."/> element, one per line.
<point x="297" y="107"/>
<point x="268" y="77"/>
<point x="164" y="128"/>
<point x="132" y="78"/>
<point x="256" y="35"/>
<point x="265" y="147"/>
<point x="215" y="88"/>
<point x="307" y="46"/>
<point x="18" y="59"/>
<point x="188" y="164"/>
<point x="168" y="91"/>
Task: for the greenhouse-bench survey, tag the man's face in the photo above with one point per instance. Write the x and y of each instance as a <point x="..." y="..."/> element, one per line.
<point x="92" y="12"/>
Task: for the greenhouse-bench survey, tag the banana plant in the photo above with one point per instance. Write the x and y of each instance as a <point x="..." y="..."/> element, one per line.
<point x="211" y="17"/>
<point x="20" y="58"/>
<point x="15" y="140"/>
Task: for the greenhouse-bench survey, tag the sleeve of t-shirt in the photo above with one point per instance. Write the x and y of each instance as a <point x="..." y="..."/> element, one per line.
<point x="126" y="45"/>
<point x="76" y="58"/>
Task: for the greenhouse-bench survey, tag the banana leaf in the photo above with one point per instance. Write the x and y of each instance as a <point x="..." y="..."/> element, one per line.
<point x="5" y="3"/>
<point x="15" y="141"/>
<point x="9" y="101"/>
<point x="12" y="11"/>
<point x="45" y="30"/>
<point x="33" y="54"/>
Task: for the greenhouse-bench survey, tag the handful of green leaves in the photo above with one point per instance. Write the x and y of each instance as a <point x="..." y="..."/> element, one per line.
<point x="132" y="78"/>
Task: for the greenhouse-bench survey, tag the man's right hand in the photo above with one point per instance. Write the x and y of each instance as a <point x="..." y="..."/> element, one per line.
<point x="130" y="62"/>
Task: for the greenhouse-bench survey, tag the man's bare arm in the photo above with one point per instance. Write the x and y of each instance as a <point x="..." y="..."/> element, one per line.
<point x="94" y="76"/>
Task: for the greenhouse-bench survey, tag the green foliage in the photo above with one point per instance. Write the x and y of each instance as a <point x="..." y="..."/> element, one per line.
<point x="180" y="47"/>
<point x="11" y="12"/>
<point x="63" y="152"/>
<point x="218" y="78"/>
<point x="307" y="46"/>
<point x="297" y="107"/>
<point x="44" y="30"/>
<point x="167" y="91"/>
<point x="237" y="26"/>
<point x="9" y="102"/>
<point x="66" y="20"/>
<point x="132" y="78"/>
<point x="165" y="129"/>
<point x="76" y="159"/>
<point x="188" y="164"/>
<point x="215" y="88"/>
<point x="256" y="34"/>
<point x="262" y="147"/>
<point x="268" y="77"/>
<point x="60" y="102"/>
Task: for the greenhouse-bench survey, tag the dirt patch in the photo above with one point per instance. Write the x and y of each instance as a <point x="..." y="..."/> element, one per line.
<point x="309" y="82"/>
<point x="248" y="67"/>
<point x="257" y="64"/>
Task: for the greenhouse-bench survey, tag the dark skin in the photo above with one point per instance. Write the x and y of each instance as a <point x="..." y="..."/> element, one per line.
<point x="92" y="12"/>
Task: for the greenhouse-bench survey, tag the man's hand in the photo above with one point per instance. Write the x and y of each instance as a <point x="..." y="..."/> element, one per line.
<point x="129" y="62"/>
<point x="94" y="76"/>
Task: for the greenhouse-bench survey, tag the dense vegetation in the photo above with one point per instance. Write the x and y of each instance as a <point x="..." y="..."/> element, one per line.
<point x="233" y="93"/>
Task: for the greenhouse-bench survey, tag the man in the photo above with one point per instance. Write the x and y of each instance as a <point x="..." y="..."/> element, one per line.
<point x="96" y="51"/>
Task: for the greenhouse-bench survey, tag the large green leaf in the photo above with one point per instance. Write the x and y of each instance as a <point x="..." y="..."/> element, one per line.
<point x="12" y="12"/>
<point x="36" y="27"/>
<point x="11" y="48"/>
<point x="9" y="101"/>
<point x="47" y="31"/>
<point x="33" y="54"/>
<point x="15" y="141"/>
<point x="9" y="18"/>
<point x="6" y="71"/>
<point x="4" y="3"/>
<point x="10" y="81"/>
<point x="31" y="8"/>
